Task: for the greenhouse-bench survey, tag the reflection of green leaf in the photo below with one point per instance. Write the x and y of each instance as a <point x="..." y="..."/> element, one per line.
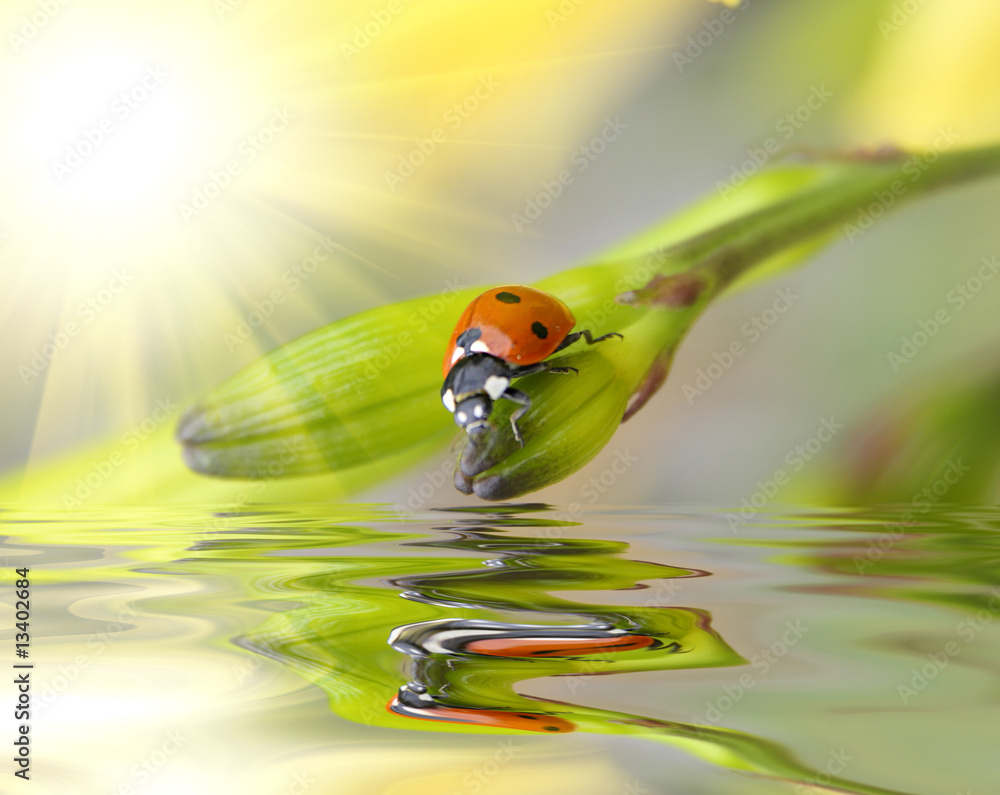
<point x="365" y="388"/>
<point x="945" y="555"/>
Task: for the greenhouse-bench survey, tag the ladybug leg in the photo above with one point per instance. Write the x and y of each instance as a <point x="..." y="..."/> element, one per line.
<point x="590" y="338"/>
<point x="516" y="371"/>
<point x="517" y="396"/>
<point x="539" y="367"/>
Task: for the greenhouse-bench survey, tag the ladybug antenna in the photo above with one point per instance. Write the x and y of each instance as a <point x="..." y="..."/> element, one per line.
<point x="478" y="426"/>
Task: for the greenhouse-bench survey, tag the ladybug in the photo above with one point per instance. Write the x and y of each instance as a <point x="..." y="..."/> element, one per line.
<point x="505" y="333"/>
<point x="463" y="637"/>
<point x="553" y="645"/>
<point x="413" y="701"/>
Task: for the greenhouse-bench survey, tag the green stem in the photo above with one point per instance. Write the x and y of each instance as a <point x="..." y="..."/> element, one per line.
<point x="855" y="188"/>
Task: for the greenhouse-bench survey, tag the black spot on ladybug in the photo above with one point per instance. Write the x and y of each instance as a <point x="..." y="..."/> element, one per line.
<point x="508" y="298"/>
<point x="467" y="337"/>
<point x="551" y="728"/>
<point x="539" y="330"/>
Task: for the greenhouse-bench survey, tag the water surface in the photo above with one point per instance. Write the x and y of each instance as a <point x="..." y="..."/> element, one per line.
<point x="349" y="649"/>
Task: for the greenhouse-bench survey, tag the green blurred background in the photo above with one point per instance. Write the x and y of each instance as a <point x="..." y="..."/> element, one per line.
<point x="170" y="168"/>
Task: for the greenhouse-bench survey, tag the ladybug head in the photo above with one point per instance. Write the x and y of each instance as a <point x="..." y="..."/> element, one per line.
<point x="473" y="412"/>
<point x="471" y="386"/>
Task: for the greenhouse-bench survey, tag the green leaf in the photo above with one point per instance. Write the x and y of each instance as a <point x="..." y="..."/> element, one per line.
<point x="367" y="387"/>
<point x="344" y="395"/>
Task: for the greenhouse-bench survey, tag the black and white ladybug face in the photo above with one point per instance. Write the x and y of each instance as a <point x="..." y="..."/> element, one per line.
<point x="473" y="412"/>
<point x="472" y="385"/>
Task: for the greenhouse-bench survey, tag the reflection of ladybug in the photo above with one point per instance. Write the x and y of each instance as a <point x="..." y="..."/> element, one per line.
<point x="505" y="333"/>
<point x="455" y="637"/>
<point x="555" y="646"/>
<point x="413" y="701"/>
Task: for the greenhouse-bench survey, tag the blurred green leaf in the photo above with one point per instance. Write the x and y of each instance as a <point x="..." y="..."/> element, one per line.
<point x="930" y="443"/>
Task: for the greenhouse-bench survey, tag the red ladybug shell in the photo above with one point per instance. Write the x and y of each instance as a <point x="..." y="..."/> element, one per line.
<point x="556" y="647"/>
<point x="518" y="324"/>
<point x="525" y="721"/>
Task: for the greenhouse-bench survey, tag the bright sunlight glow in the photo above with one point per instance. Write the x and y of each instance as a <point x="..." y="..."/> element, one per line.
<point x="104" y="125"/>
